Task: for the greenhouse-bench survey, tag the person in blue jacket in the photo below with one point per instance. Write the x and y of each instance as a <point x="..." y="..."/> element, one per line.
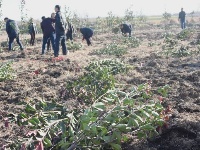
<point x="87" y="34"/>
<point x="32" y="31"/>
<point x="60" y="28"/>
<point x="12" y="30"/>
<point x="125" y="28"/>
<point x="48" y="32"/>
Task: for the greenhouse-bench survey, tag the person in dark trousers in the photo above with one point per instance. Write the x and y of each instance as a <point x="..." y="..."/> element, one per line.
<point x="126" y="28"/>
<point x="87" y="34"/>
<point x="48" y="41"/>
<point x="70" y="31"/>
<point x="60" y="32"/>
<point x="12" y="30"/>
<point x="181" y="18"/>
<point x="48" y="32"/>
<point x="32" y="31"/>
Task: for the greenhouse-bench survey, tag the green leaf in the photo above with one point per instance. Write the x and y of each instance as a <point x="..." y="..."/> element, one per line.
<point x="147" y="127"/>
<point x="121" y="127"/>
<point x="128" y="101"/>
<point x="42" y="120"/>
<point x="138" y="117"/>
<point x="122" y="93"/>
<point x="116" y="146"/>
<point x="141" y="87"/>
<point x="94" y="129"/>
<point x="159" y="107"/>
<point x="30" y="109"/>
<point x="160" y="122"/>
<point x="99" y="106"/>
<point x="23" y="115"/>
<point x="47" y="142"/>
<point x="125" y="138"/>
<point x="141" y="135"/>
<point x="104" y="131"/>
<point x="85" y="126"/>
<point x="36" y="120"/>
<point x="71" y="131"/>
<point x="117" y="135"/>
<point x="155" y="114"/>
<point x="32" y="122"/>
<point x="107" y="139"/>
<point x="109" y="99"/>
<point x="63" y="127"/>
<point x="145" y="114"/>
<point x="118" y="108"/>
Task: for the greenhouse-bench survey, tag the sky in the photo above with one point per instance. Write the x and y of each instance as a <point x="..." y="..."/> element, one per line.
<point x="94" y="8"/>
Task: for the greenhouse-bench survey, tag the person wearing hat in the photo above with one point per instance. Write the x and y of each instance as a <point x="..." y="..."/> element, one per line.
<point x="48" y="30"/>
<point x="12" y="30"/>
<point x="87" y="34"/>
<point x="126" y="28"/>
<point x="60" y="28"/>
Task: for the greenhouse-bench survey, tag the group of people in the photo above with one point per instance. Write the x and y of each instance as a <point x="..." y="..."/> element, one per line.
<point x="54" y="29"/>
<point x="56" y="32"/>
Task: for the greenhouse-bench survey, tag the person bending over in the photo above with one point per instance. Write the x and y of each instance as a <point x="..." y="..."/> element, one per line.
<point x="126" y="28"/>
<point x="87" y="34"/>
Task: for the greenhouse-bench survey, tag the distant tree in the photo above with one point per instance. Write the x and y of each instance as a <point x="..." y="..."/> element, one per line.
<point x="192" y="17"/>
<point x="24" y="27"/>
<point x="142" y="18"/>
<point x="110" y="19"/>
<point x="1" y="22"/>
<point x="129" y="14"/>
<point x="167" y="16"/>
<point x="67" y="13"/>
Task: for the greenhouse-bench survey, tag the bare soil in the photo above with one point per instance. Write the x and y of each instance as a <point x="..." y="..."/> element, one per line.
<point x="38" y="77"/>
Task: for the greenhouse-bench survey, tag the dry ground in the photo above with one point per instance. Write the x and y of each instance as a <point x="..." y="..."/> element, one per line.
<point x="182" y="74"/>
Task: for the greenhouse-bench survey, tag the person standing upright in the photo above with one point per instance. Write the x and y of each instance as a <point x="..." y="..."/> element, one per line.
<point x="70" y="31"/>
<point x="48" y="32"/>
<point x="12" y="30"/>
<point x="181" y="18"/>
<point x="32" y="31"/>
<point x="60" y="32"/>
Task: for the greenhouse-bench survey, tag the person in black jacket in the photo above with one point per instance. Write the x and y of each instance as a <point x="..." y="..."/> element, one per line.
<point x="48" y="32"/>
<point x="87" y="34"/>
<point x="70" y="31"/>
<point x="181" y="18"/>
<point x="13" y="32"/>
<point x="125" y="28"/>
<point x="60" y="32"/>
<point x="48" y="41"/>
<point x="32" y="31"/>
